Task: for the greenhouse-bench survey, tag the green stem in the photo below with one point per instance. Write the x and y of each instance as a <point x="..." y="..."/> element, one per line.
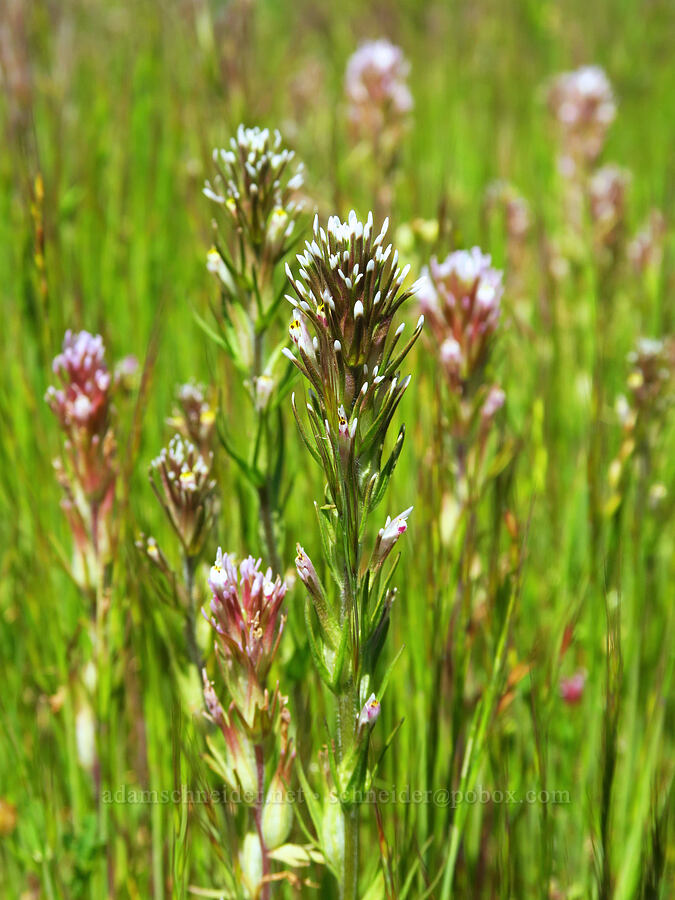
<point x="189" y="565"/>
<point x="346" y="720"/>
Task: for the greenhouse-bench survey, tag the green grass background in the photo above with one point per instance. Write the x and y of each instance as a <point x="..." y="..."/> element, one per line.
<point x="121" y="106"/>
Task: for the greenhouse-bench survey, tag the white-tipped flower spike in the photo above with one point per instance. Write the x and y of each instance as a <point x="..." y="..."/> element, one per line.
<point x="186" y="490"/>
<point x="259" y="188"/>
<point x="194" y="416"/>
<point x="583" y="105"/>
<point x="343" y="333"/>
<point x="378" y="97"/>
<point x="461" y="298"/>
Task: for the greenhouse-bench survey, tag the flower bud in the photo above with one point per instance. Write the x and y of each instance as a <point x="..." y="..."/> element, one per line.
<point x="251" y="862"/>
<point x="389" y="535"/>
<point x="277" y="817"/>
<point x="333" y="834"/>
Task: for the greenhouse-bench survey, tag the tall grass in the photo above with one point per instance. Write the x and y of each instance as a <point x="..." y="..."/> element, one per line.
<point x="110" y="112"/>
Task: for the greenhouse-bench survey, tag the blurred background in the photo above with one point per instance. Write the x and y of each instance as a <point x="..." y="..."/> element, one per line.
<point x="109" y="113"/>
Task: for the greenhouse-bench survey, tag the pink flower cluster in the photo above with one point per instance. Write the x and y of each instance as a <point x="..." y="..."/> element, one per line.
<point x="460" y="298"/>
<point x="376" y="87"/>
<point x="87" y="472"/>
<point x="82" y="404"/>
<point x="583" y="104"/>
<point x="245" y="611"/>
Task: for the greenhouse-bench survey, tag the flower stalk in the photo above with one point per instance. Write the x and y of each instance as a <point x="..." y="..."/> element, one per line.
<point x="348" y="291"/>
<point x="256" y="193"/>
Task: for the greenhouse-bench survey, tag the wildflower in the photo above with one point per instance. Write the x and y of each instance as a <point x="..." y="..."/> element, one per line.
<point x="257" y="186"/>
<point x="493" y="403"/>
<point x="376" y="87"/>
<point x="461" y="299"/>
<point x="263" y="388"/>
<point x="583" y="105"/>
<point x="653" y="364"/>
<point x="127" y="373"/>
<point x="245" y="611"/>
<point x="645" y="251"/>
<point x="370" y="712"/>
<point x="349" y="289"/>
<point x="607" y="195"/>
<point x="87" y="470"/>
<point x="572" y="689"/>
<point x="186" y="491"/>
<point x="194" y="416"/>
<point x="389" y="535"/>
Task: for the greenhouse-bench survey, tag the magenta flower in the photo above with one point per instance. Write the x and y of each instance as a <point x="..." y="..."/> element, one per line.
<point x="572" y="689"/>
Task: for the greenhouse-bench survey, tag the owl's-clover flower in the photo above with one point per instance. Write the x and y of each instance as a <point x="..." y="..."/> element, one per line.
<point x="572" y="688"/>
<point x="246" y="612"/>
<point x="82" y="406"/>
<point x="503" y="196"/>
<point x="461" y="298"/>
<point x="370" y="712"/>
<point x="348" y="290"/>
<point x="493" y="403"/>
<point x="87" y="471"/>
<point x="388" y="536"/>
<point x="645" y="251"/>
<point x="376" y="87"/>
<point x="652" y="372"/>
<point x="181" y="478"/>
<point x="258" y="185"/>
<point x="583" y="104"/>
<point x="607" y="198"/>
<point x="194" y="416"/>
